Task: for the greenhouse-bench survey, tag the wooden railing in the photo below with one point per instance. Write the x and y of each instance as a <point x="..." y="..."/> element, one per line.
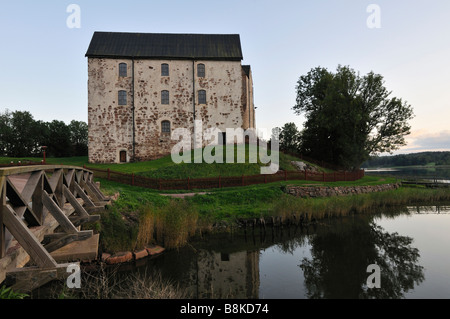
<point x="42" y="208"/>
<point x="221" y="181"/>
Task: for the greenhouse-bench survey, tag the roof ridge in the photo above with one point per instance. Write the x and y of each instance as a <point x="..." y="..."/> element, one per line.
<point x="165" y="45"/>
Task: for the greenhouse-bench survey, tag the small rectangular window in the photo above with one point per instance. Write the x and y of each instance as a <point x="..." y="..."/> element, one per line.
<point x="165" y="127"/>
<point x="122" y="97"/>
<point x="201" y="70"/>
<point x="165" y="97"/>
<point x="122" y="69"/>
<point x="202" y="97"/>
<point x="164" y="69"/>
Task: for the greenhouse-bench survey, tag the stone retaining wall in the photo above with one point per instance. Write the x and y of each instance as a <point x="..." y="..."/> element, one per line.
<point x="327" y="191"/>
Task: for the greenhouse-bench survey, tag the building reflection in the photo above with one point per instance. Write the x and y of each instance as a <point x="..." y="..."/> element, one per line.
<point x="218" y="275"/>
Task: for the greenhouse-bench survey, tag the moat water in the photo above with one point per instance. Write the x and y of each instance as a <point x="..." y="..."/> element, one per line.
<point x="327" y="260"/>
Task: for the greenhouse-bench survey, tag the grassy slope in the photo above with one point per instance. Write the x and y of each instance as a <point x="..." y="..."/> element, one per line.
<point x="165" y="168"/>
<point x="120" y="226"/>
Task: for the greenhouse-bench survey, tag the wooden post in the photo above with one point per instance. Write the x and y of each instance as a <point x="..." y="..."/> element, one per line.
<point x="2" y="226"/>
<point x="242" y="180"/>
<point x="26" y="239"/>
<point x="58" y="214"/>
<point x="82" y="194"/>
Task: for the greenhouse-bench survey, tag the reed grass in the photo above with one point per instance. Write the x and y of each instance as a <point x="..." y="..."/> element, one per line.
<point x="171" y="225"/>
<point x="338" y="206"/>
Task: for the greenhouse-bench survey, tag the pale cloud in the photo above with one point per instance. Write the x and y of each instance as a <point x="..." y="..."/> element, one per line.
<point x="423" y="141"/>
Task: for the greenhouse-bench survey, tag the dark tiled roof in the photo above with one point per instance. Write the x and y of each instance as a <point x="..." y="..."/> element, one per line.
<point x="165" y="45"/>
<point x="246" y="69"/>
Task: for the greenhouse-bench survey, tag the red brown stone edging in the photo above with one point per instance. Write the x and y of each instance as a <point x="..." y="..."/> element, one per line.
<point x="127" y="256"/>
<point x="328" y="191"/>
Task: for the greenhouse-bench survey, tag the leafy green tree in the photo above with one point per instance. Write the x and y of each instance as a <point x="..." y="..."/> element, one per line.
<point x="289" y="138"/>
<point x="5" y="133"/>
<point x="58" y="139"/>
<point x="349" y="117"/>
<point x="79" y="137"/>
<point x="19" y="133"/>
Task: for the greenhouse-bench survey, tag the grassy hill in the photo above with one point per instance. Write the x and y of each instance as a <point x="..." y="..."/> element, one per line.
<point x="165" y="168"/>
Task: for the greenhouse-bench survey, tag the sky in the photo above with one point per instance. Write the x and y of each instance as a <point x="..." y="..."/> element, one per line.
<point x="44" y="68"/>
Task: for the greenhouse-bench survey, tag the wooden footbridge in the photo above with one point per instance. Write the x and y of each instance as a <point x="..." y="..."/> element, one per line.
<point x="43" y="209"/>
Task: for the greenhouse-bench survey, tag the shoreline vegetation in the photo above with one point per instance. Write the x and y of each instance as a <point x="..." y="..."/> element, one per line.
<point x="140" y="217"/>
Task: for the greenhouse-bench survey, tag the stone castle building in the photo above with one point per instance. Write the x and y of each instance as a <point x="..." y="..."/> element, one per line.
<point x="142" y="86"/>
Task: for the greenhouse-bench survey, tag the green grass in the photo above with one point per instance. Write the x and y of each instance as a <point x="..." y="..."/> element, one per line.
<point x="142" y="215"/>
<point x="165" y="168"/>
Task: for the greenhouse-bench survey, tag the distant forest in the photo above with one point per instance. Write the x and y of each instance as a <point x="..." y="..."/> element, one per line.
<point x="424" y="158"/>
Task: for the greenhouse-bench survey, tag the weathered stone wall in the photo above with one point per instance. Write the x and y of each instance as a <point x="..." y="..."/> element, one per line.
<point x="111" y="125"/>
<point x="321" y="191"/>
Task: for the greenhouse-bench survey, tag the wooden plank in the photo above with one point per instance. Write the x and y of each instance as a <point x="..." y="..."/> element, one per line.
<point x="95" y="209"/>
<point x="33" y="182"/>
<point x="97" y="191"/>
<point x="87" y="201"/>
<point x="26" y="239"/>
<point x="74" y="202"/>
<point x="58" y="214"/>
<point x="80" y="220"/>
<point x="56" y="182"/>
<point x="89" y="191"/>
<point x="55" y="241"/>
<point x="27" y="169"/>
<point x="36" y="198"/>
<point x="23" y="209"/>
<point x="29" y="278"/>
<point x="86" y="250"/>
<point x="69" y="178"/>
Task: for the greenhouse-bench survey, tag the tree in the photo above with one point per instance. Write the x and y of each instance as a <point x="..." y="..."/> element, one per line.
<point x="58" y="139"/>
<point x="5" y="133"/>
<point x="349" y="117"/>
<point x="289" y="138"/>
<point x="18" y="134"/>
<point x="79" y="137"/>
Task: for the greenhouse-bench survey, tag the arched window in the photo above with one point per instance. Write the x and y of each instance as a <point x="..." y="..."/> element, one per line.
<point x="202" y="97"/>
<point x="122" y="97"/>
<point x="164" y="69"/>
<point x="122" y="69"/>
<point x="165" y="97"/>
<point x="165" y="127"/>
<point x="201" y="70"/>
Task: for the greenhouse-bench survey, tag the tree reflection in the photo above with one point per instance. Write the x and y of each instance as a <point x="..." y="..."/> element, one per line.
<point x="340" y="257"/>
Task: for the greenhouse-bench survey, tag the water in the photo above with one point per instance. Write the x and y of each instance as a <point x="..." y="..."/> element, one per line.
<point x="440" y="173"/>
<point x="328" y="260"/>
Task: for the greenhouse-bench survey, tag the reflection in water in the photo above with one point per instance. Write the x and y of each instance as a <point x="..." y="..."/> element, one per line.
<point x="228" y="265"/>
<point x="341" y="255"/>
